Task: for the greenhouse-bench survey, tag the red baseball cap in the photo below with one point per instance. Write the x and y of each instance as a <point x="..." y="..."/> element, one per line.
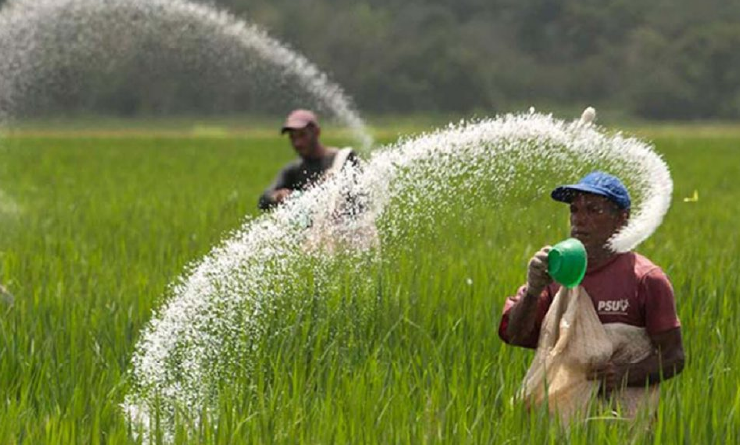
<point x="298" y="119"/>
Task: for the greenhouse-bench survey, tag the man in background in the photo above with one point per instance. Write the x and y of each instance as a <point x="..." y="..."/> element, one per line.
<point x="314" y="163"/>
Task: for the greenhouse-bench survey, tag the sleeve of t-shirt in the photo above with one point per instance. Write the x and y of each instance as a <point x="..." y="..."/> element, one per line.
<point x="543" y="304"/>
<point x="284" y="179"/>
<point x="660" y="303"/>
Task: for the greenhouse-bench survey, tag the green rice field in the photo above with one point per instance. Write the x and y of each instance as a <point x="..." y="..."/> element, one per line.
<point x="94" y="227"/>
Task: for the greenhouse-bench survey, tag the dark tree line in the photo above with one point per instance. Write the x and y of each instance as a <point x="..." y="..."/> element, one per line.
<point x="662" y="59"/>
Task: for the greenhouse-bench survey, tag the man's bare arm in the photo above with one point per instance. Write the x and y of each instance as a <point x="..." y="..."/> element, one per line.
<point x="666" y="361"/>
<point x="522" y="319"/>
<point x="278" y="190"/>
<point x="523" y="315"/>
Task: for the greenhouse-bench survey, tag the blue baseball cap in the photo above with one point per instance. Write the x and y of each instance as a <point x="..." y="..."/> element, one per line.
<point x="598" y="183"/>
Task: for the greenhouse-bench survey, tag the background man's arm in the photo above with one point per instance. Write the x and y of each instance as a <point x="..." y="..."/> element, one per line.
<point x="280" y="188"/>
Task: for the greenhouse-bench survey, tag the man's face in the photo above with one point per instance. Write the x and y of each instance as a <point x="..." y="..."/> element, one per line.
<point x="304" y="140"/>
<point x="594" y="219"/>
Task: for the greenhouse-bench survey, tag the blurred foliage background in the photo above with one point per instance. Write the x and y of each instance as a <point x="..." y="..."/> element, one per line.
<point x="669" y="60"/>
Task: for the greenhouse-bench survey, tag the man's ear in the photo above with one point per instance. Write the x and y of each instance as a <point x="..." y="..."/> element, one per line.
<point x="624" y="216"/>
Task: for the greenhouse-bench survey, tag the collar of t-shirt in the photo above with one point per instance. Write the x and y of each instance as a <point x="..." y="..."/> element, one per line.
<point x="611" y="260"/>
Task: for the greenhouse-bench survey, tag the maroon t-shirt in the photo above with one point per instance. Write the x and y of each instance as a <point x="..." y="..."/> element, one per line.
<point x="628" y="289"/>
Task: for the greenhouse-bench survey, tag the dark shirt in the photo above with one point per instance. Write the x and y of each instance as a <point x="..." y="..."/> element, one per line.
<point x="301" y="174"/>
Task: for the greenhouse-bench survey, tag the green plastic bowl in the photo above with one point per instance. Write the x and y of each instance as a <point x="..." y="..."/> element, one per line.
<point x="566" y="262"/>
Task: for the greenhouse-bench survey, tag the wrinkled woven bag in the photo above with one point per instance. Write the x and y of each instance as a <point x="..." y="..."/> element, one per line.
<point x="572" y="339"/>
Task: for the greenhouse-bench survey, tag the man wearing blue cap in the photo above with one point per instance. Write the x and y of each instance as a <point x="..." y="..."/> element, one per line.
<point x="624" y="287"/>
